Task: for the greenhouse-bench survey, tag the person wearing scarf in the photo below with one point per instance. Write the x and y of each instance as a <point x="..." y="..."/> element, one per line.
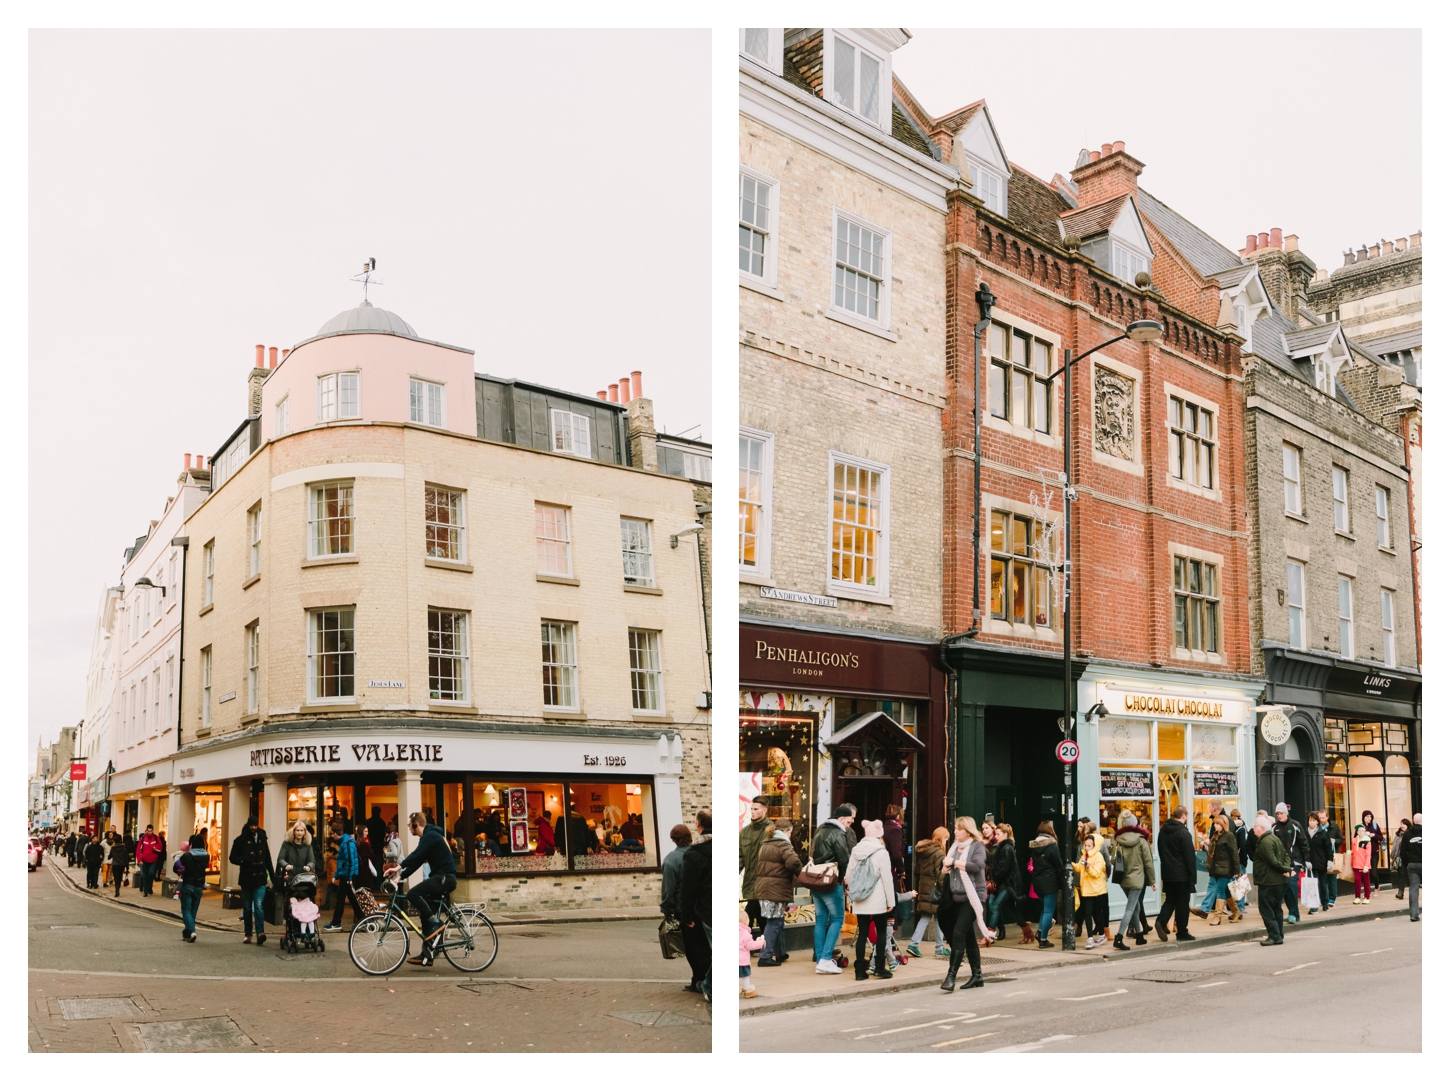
<point x="961" y="913"/>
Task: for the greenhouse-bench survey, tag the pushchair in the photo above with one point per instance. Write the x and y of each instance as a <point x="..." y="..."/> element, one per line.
<point x="302" y="913"/>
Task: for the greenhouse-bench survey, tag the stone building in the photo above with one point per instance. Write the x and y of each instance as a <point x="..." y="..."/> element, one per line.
<point x="390" y="545"/>
<point x="843" y="204"/>
<point x="1377" y="297"/>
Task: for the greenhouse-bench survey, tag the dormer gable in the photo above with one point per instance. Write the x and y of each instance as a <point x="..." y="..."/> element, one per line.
<point x="977" y="151"/>
<point x="1112" y="235"/>
<point x="850" y="67"/>
<point x="1323" y="350"/>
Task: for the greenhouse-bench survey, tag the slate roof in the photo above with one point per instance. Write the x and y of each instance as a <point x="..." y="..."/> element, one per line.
<point x="1094" y="219"/>
<point x="904" y="130"/>
<point x="960" y="118"/>
<point x="1034" y="206"/>
<point x="1393" y="343"/>
<point x="1273" y="329"/>
<point x="1309" y="337"/>
<point x="1227" y="279"/>
<point x="1206" y="255"/>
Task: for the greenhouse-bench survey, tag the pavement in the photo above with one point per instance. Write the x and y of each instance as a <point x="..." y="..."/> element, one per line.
<point x="109" y="976"/>
<point x="1331" y="986"/>
<point x="795" y="984"/>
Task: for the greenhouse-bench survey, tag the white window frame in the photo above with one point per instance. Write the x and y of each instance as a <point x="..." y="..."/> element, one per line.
<point x="172" y="593"/>
<point x="1387" y="626"/>
<point x="206" y="687"/>
<point x="1345" y="602"/>
<point x="632" y="529"/>
<point x="423" y="396"/>
<point x="646" y="684"/>
<point x="1295" y="569"/>
<point x="1382" y="517"/>
<point x="332" y="391"/>
<point x="881" y="591"/>
<point x="254" y="540"/>
<point x="573" y="433"/>
<point x="1128" y="262"/>
<point x="281" y="416"/>
<point x="566" y="666"/>
<point x="839" y="312"/>
<point x="994" y="197"/>
<point x="456" y="530"/>
<point x="1293" y="486"/>
<point x="1182" y="439"/>
<point x="882" y="116"/>
<point x="156" y="699"/>
<point x="761" y="568"/>
<point x="567" y="539"/>
<point x="170" y="692"/>
<point x="774" y="58"/>
<point x="317" y="534"/>
<point x="254" y="665"/>
<point x="208" y="562"/>
<point x="766" y="280"/>
<point x="314" y="677"/>
<point x="462" y="692"/>
<point x="140" y="732"/>
<point x="1339" y="492"/>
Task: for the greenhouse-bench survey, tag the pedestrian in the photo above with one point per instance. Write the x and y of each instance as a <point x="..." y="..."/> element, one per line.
<point x="1005" y="880"/>
<point x="776" y="865"/>
<point x="929" y="855"/>
<point x="1361" y="861"/>
<point x="747" y="943"/>
<point x="119" y="859"/>
<point x="367" y="860"/>
<point x="252" y="856"/>
<point x="1295" y="840"/>
<point x="1272" y="870"/>
<point x="695" y="906"/>
<point x="192" y="863"/>
<point x="758" y="829"/>
<point x="545" y="846"/>
<point x="1092" y="872"/>
<point x="377" y="831"/>
<point x="108" y="840"/>
<point x="148" y="857"/>
<point x="1048" y="873"/>
<point x="831" y="844"/>
<point x="1397" y="864"/>
<point x="432" y="850"/>
<point x="1132" y="846"/>
<point x="1377" y="842"/>
<point x="1336" y="842"/>
<point x="95" y="857"/>
<point x="869" y="885"/>
<point x="1242" y="833"/>
<point x="965" y="866"/>
<point x="1321" y="857"/>
<point x="1410" y="852"/>
<point x="894" y="840"/>
<point x="70" y="850"/>
<point x="670" y="871"/>
<point x="1223" y="867"/>
<point x="1177" y="856"/>
<point x="345" y="876"/>
<point x="1079" y="912"/>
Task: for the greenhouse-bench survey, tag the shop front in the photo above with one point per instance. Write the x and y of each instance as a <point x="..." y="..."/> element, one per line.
<point x="539" y="816"/>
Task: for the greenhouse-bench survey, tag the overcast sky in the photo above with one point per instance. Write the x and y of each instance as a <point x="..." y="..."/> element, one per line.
<point x="1316" y="132"/>
<point x="539" y="197"/>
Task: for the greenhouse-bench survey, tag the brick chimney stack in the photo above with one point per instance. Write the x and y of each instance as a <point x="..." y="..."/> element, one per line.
<point x="255" y="378"/>
<point x="643" y="453"/>
<point x="1108" y="173"/>
<point x="1285" y="270"/>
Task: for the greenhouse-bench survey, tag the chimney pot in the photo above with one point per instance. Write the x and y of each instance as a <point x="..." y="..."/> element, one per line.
<point x="1251" y="244"/>
<point x="614" y="392"/>
<point x="624" y="394"/>
<point x="1118" y="147"/>
<point x="1107" y="149"/>
<point x="1291" y="242"/>
<point x="285" y="352"/>
<point x="602" y="395"/>
<point x="1276" y="238"/>
<point x="1402" y="244"/>
<point x="272" y="358"/>
<point x="1349" y="256"/>
<point x="1415" y="240"/>
<point x="1094" y="156"/>
<point x="260" y="350"/>
<point x="1263" y="240"/>
<point x="637" y="382"/>
<point x="187" y="459"/>
<point x="1362" y="254"/>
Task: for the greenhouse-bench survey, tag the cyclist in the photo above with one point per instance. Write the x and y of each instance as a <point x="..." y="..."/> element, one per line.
<point x="442" y="879"/>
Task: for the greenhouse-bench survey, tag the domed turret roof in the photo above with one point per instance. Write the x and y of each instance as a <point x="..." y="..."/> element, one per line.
<point x="365" y="319"/>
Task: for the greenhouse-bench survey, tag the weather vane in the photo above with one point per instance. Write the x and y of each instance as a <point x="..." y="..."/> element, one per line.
<point x="366" y="277"/>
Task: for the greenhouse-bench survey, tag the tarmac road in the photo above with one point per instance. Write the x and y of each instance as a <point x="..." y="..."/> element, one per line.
<point x="1346" y="988"/>
<point x="559" y="987"/>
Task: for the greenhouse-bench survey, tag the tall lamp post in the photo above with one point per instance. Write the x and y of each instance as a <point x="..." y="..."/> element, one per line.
<point x="1143" y="330"/>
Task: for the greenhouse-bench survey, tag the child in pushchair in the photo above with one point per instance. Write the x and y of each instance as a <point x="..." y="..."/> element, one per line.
<point x="302" y="913"/>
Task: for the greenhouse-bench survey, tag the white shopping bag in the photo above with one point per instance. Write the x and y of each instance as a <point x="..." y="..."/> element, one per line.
<point x="1309" y="892"/>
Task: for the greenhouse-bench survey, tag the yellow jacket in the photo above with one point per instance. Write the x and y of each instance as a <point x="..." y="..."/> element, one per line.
<point x="1092" y="875"/>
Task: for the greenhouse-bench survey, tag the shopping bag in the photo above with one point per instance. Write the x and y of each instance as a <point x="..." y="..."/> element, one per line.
<point x="848" y="924"/>
<point x="1238" y="888"/>
<point x="1309" y="892"/>
<point x="672" y="938"/>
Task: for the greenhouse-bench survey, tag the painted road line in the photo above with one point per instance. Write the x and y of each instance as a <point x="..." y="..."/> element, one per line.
<point x="964" y="1039"/>
<point x="1014" y="994"/>
<point x="1215" y="983"/>
<point x="1366" y="953"/>
<point x="924" y="1024"/>
<point x="1018" y="1048"/>
<point x="1296" y="968"/>
<point x="1086" y="998"/>
<point x="346" y="979"/>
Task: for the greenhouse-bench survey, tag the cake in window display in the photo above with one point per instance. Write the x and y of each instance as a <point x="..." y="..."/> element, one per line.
<point x="778" y="784"/>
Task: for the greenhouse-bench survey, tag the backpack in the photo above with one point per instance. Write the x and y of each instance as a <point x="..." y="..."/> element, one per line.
<point x="863" y="882"/>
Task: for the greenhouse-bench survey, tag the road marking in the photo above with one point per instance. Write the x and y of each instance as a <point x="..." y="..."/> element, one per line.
<point x="1018" y="1048"/>
<point x="344" y="979"/>
<point x="924" y="1024"/>
<point x="1014" y="994"/>
<point x="964" y="1039"/>
<point x="858" y="1028"/>
<point x="1296" y="968"/>
<point x="1366" y="953"/>
<point x="1086" y="998"/>
<point x="1215" y="983"/>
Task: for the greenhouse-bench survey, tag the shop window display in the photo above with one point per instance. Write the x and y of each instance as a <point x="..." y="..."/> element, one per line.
<point x="616" y="815"/>
<point x="209" y="818"/>
<point x="501" y="804"/>
<point x="1367" y="769"/>
<point x="776" y="762"/>
<point x="1151" y="767"/>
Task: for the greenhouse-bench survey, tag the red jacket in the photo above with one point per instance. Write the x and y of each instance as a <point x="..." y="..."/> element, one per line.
<point x="148" y="848"/>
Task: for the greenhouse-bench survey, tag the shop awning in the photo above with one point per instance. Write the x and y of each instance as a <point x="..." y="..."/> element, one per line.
<point x="880" y="728"/>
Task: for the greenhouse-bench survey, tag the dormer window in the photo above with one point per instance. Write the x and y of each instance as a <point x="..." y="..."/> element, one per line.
<point x="571" y="433"/>
<point x="1127" y="263"/>
<point x="765" y="46"/>
<point x="855" y="78"/>
<point x="990" y="187"/>
<point x="1322" y="379"/>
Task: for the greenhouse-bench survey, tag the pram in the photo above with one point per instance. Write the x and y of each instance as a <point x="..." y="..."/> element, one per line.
<point x="302" y="913"/>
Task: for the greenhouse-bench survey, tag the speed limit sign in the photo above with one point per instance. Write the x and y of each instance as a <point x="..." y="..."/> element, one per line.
<point x="1067" y="752"/>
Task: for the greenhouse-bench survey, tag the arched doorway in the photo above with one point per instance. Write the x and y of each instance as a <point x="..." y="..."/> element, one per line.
<point x="1297" y="758"/>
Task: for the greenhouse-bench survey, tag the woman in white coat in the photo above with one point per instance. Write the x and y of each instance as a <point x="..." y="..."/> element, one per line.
<point x="873" y="895"/>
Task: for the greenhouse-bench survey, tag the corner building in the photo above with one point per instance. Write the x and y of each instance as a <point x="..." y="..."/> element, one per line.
<point x="414" y="588"/>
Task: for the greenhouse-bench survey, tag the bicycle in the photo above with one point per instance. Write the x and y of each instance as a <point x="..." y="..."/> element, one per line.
<point x="379" y="943"/>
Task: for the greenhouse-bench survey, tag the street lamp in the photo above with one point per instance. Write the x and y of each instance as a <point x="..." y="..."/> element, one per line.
<point x="1142" y="330"/>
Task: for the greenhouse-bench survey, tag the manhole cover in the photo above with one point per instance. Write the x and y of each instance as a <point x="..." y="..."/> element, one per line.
<point x="90" y="1009"/>
<point x="998" y="960"/>
<point x="202" y="1034"/>
<point x="531" y="934"/>
<point x="655" y="1019"/>
<point x="1168" y="975"/>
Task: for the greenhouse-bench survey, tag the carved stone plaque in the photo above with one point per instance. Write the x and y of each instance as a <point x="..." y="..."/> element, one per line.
<point x="1113" y="413"/>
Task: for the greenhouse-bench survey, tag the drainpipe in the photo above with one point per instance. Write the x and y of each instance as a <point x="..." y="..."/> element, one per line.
<point x="184" y="543"/>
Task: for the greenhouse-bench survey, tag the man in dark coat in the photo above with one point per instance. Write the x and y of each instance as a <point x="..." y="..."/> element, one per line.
<point x="756" y="832"/>
<point x="95" y="855"/>
<point x="1295" y="839"/>
<point x="253" y="857"/>
<point x="1272" y="868"/>
<point x="377" y="832"/>
<point x="1412" y="854"/>
<point x="70" y="850"/>
<point x="1179" y="861"/>
<point x="695" y="906"/>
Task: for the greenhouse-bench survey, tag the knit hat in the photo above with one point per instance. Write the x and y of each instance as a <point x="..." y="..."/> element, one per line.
<point x="873" y="828"/>
<point x="1281" y="808"/>
<point x="1130" y="820"/>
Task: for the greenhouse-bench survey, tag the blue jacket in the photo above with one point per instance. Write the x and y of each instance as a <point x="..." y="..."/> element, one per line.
<point x="434" y="851"/>
<point x="347" y="865"/>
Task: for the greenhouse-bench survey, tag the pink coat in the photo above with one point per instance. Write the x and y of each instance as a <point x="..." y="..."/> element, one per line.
<point x="1360" y="853"/>
<point x="747" y="944"/>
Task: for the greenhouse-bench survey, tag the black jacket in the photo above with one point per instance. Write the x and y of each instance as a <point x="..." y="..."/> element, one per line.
<point x="1176" y="856"/>
<point x="1295" y="839"/>
<point x="251" y="854"/>
<point x="193" y="867"/>
<point x="1321" y="851"/>
<point x="1047" y="866"/>
<point x="695" y="883"/>
<point x="95" y="855"/>
<point x="1410" y="847"/>
<point x="433" y="850"/>
<point x="832" y="843"/>
<point x="1002" y="867"/>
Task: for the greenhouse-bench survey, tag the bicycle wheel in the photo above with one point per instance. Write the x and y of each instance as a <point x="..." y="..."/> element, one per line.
<point x="471" y="943"/>
<point x="379" y="944"/>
